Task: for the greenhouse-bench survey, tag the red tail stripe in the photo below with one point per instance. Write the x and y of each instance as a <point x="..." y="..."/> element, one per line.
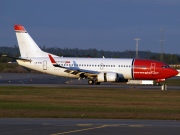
<point x="19" y="28"/>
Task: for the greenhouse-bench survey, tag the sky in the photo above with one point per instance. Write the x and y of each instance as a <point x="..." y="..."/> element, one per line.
<point x="110" y="25"/>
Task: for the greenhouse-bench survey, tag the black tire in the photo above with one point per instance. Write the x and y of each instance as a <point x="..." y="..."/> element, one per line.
<point x="91" y="82"/>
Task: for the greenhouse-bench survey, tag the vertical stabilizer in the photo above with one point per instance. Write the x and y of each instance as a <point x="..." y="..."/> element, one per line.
<point x="28" y="48"/>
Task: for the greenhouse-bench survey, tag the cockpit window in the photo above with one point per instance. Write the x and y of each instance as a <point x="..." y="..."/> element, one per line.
<point x="165" y="66"/>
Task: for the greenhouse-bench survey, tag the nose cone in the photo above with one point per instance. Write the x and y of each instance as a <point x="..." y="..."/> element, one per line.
<point x="172" y="72"/>
<point x="176" y="72"/>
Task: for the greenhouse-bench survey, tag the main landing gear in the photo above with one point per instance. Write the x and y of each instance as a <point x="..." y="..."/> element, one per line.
<point x="91" y="82"/>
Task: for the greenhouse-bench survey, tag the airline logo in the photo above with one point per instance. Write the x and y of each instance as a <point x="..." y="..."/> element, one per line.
<point x="147" y="73"/>
<point x="54" y="62"/>
<point x="67" y="62"/>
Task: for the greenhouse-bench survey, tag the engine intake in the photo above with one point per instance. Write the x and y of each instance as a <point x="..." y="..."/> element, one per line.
<point x="107" y="77"/>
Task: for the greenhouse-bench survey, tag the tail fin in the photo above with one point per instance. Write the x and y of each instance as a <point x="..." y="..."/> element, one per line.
<point x="28" y="48"/>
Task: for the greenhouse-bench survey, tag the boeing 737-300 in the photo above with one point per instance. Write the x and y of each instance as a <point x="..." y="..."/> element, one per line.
<point x="96" y="70"/>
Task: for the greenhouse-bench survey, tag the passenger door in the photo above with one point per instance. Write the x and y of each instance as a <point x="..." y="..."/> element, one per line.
<point x="44" y="65"/>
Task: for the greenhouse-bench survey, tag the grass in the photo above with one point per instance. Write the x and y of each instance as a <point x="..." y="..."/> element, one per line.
<point x="111" y="103"/>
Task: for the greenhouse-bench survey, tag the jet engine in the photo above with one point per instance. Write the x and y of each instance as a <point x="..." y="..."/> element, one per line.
<point x="107" y="77"/>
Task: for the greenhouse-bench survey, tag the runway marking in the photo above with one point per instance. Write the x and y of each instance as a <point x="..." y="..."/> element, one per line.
<point x="115" y="125"/>
<point x="80" y="130"/>
<point x="84" y="124"/>
<point x="136" y="125"/>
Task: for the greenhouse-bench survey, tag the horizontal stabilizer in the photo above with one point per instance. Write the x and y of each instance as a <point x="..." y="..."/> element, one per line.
<point x="25" y="60"/>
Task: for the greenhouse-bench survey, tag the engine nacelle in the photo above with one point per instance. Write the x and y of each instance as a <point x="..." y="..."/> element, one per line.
<point x="107" y="77"/>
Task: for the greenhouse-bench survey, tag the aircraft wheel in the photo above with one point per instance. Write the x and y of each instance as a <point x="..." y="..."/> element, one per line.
<point x="91" y="82"/>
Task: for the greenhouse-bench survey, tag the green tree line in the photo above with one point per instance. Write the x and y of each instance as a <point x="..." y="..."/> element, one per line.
<point x="94" y="53"/>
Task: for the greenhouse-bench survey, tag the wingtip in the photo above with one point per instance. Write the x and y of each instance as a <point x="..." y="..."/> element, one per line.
<point x="20" y="28"/>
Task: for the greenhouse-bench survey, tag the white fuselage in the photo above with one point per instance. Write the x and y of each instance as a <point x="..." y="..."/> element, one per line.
<point x="121" y="66"/>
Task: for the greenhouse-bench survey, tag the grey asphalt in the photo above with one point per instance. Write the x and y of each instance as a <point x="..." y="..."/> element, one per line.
<point x="31" y="78"/>
<point x="57" y="126"/>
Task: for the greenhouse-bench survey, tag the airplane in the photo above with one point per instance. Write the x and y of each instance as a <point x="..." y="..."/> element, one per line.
<point x="96" y="70"/>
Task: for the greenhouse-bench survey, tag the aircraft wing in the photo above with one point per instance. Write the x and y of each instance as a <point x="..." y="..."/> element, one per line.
<point x="72" y="70"/>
